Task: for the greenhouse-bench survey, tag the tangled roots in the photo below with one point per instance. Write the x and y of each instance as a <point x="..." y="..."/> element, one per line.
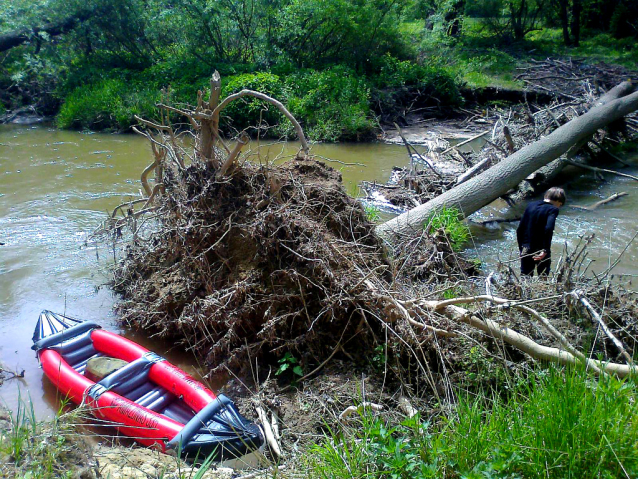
<point x="260" y="262"/>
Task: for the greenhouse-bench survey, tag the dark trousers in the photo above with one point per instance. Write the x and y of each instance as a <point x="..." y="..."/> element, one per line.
<point x="528" y="264"/>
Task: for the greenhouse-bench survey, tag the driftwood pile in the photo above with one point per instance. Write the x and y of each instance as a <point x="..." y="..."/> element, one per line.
<point x="577" y="89"/>
<point x="246" y="263"/>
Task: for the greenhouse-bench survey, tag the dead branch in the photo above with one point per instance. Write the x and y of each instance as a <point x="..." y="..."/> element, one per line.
<point x="600" y="170"/>
<point x="268" y="432"/>
<point x="360" y="409"/>
<point x="506" y="303"/>
<point x="526" y="344"/>
<point x="580" y="296"/>
<point x="406" y="406"/>
<point x="465" y="142"/>
<point x="305" y="148"/>
<point x="412" y="150"/>
<point x="595" y="206"/>
<point x="234" y="154"/>
<point x="508" y="137"/>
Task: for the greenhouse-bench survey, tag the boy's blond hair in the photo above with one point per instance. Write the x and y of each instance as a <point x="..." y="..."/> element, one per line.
<point x="556" y="194"/>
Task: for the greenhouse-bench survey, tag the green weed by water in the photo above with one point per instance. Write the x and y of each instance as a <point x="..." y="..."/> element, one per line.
<point x="23" y="429"/>
<point x="109" y="104"/>
<point x="451" y="221"/>
<point x="372" y="213"/>
<point x="40" y="450"/>
<point x="289" y="363"/>
<point x="559" y="424"/>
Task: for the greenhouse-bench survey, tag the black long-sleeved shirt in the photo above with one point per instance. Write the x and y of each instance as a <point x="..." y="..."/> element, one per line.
<point x="537" y="226"/>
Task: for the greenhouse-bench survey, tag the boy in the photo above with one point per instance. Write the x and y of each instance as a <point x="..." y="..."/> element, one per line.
<point x="534" y="233"/>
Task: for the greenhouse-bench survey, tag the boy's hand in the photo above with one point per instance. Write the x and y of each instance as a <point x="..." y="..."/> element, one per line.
<point x="540" y="256"/>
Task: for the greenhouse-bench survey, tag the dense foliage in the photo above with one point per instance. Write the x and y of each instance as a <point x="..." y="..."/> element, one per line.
<point x="335" y="63"/>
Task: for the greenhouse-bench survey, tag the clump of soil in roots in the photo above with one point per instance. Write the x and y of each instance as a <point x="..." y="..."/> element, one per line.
<point x="260" y="262"/>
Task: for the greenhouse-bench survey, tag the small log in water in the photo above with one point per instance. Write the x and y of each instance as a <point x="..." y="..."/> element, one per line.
<point x="595" y="206"/>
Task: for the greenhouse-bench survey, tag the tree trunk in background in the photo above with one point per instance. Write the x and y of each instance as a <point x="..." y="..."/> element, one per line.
<point x="481" y="190"/>
<point x="453" y="18"/>
<point x="577" y="8"/>
<point x="564" y="20"/>
<point x="516" y="19"/>
<point x="18" y="37"/>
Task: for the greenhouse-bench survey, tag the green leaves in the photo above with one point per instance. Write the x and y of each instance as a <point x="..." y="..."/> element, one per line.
<point x="110" y="104"/>
<point x="289" y="362"/>
<point x="559" y="423"/>
<point x="450" y="220"/>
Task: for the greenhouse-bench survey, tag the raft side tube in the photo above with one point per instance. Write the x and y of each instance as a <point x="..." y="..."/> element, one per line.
<point x="64" y="377"/>
<point x="146" y="426"/>
<point x="117" y="346"/>
<point x="177" y="382"/>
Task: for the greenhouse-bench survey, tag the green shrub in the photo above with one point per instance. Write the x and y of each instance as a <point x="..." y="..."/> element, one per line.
<point x="107" y="105"/>
<point x="246" y="111"/>
<point x="332" y="104"/>
<point x="451" y="221"/>
<point x="433" y="78"/>
<point x="373" y="213"/>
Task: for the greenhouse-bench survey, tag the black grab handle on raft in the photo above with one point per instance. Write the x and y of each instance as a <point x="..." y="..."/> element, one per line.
<point x="199" y="420"/>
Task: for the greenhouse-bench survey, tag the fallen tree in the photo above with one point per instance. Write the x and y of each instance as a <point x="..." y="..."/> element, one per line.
<point x="23" y="35"/>
<point x="484" y="188"/>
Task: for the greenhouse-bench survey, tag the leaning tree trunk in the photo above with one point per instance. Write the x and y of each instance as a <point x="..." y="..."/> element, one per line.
<point x="18" y="37"/>
<point x="481" y="190"/>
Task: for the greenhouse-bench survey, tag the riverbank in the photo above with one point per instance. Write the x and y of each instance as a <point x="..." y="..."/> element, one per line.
<point x="304" y="411"/>
<point x="402" y="309"/>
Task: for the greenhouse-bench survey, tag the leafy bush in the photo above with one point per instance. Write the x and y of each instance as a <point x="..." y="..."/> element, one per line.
<point x="333" y="104"/>
<point x="451" y="221"/>
<point x="373" y="213"/>
<point x="246" y="111"/>
<point x="623" y="21"/>
<point x="109" y="104"/>
<point x="438" y="81"/>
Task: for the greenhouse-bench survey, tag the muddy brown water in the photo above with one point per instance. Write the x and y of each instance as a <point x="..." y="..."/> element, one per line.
<point x="55" y="187"/>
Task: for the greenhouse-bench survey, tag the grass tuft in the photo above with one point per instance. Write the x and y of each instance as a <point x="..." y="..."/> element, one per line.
<point x="451" y="221"/>
<point x="41" y="450"/>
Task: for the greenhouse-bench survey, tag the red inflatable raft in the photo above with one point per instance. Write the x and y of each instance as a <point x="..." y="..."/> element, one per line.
<point x="148" y="399"/>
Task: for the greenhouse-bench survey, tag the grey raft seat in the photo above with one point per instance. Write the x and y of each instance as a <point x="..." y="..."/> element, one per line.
<point x="77" y="351"/>
<point x="132" y="382"/>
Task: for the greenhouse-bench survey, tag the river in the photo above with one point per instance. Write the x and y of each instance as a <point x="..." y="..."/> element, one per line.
<point x="56" y="186"/>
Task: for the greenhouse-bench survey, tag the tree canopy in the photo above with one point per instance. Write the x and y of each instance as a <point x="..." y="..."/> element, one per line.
<point x="120" y="53"/>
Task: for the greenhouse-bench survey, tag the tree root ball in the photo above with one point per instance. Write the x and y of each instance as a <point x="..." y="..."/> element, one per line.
<point x="265" y="260"/>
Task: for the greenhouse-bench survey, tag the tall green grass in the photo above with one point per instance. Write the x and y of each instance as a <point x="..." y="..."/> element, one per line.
<point x="41" y="450"/>
<point x="558" y="425"/>
<point x="23" y="429"/>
